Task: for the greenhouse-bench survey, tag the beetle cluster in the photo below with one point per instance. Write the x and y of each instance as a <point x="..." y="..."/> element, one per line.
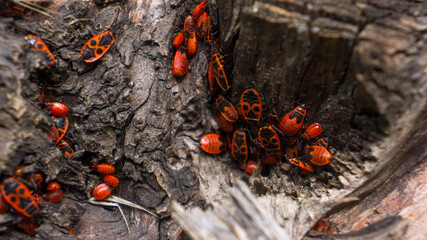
<point x="93" y="50"/>
<point x="16" y="191"/>
<point x="16" y="194"/>
<point x="54" y="193"/>
<point x="58" y="110"/>
<point x="254" y="139"/>
<point x="274" y="139"/>
<point x="110" y="182"/>
<point x="199" y="24"/>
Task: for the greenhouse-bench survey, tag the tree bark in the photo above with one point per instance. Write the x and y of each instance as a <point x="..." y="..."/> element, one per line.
<point x="357" y="65"/>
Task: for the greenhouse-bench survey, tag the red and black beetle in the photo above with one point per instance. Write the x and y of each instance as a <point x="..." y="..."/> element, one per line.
<point x="239" y="147"/>
<point x="318" y="155"/>
<point x="97" y="46"/>
<point x="18" y="196"/>
<point x="213" y="143"/>
<point x="292" y="122"/>
<point x="225" y="114"/>
<point x="250" y="106"/>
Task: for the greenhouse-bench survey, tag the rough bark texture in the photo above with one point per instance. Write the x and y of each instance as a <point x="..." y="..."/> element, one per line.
<point x="125" y="109"/>
<point x="359" y="66"/>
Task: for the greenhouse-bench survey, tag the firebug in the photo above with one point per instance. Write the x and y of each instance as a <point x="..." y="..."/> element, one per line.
<point x="191" y="41"/>
<point x="320" y="226"/>
<point x="180" y="62"/>
<point x="28" y="225"/>
<point x="52" y="133"/>
<point x="292" y="122"/>
<point x="217" y="61"/>
<point x="53" y="196"/>
<point x="65" y="148"/>
<point x="200" y="9"/>
<point x="269" y="139"/>
<point x="104" y="168"/>
<point x="38" y="45"/>
<point x="97" y="46"/>
<point x="271" y="158"/>
<point x="239" y="147"/>
<point x="250" y="106"/>
<point x="250" y="167"/>
<point x="178" y="40"/>
<point x="190" y="24"/>
<point x="61" y="124"/>
<point x="213" y="144"/>
<point x="18" y="196"/>
<point x="58" y="109"/>
<point x="318" y="155"/>
<point x="273" y="119"/>
<point x="225" y="114"/>
<point x="102" y="191"/>
<point x="312" y="131"/>
<point x="204" y="27"/>
<point x="52" y="186"/>
<point x="323" y="142"/>
<point x="111" y="180"/>
<point x="213" y="85"/>
<point x="304" y="173"/>
<point x="304" y="166"/>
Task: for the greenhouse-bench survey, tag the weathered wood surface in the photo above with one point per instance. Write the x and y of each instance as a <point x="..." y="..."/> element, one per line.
<point x="359" y="66"/>
<point x="242" y="218"/>
<point x="401" y="191"/>
<point x="246" y="217"/>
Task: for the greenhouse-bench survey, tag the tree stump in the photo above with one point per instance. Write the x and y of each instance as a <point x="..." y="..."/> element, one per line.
<point x="359" y="67"/>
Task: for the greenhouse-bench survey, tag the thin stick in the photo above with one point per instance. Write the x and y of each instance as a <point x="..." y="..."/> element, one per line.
<point x="93" y="201"/>
<point x="130" y="204"/>
<point x="126" y="221"/>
